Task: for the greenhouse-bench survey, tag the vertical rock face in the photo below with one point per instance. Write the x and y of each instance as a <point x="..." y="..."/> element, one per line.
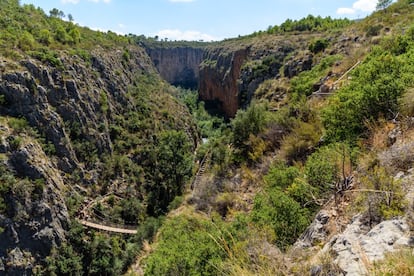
<point x="36" y="219"/>
<point x="68" y="118"/>
<point x="219" y="74"/>
<point x="178" y="65"/>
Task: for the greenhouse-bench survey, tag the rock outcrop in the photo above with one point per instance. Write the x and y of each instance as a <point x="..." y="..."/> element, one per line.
<point x="37" y="217"/>
<point x="219" y="76"/>
<point x="178" y="65"/>
<point x="230" y="75"/>
<point x="72" y="112"/>
<point x="357" y="246"/>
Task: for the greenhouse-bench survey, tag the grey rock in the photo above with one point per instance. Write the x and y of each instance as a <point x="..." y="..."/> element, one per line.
<point x="316" y="232"/>
<point x="355" y="246"/>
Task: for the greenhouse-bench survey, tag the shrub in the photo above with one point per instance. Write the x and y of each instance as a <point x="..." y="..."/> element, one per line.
<point x="297" y="145"/>
<point x="147" y="229"/>
<point x="406" y="103"/>
<point x="373" y="30"/>
<point x="45" y="37"/>
<point x="187" y="246"/>
<point x="26" y="41"/>
<point x="285" y="216"/>
<point x="281" y="176"/>
<point x="383" y="197"/>
<point x="18" y="124"/>
<point x="246" y="123"/>
<point x="325" y="166"/>
<point x="15" y="142"/>
<point x="303" y="84"/>
<point x="318" y="45"/>
<point x="373" y="93"/>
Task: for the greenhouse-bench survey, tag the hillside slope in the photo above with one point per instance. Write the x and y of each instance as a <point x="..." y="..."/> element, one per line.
<point x="312" y="154"/>
<point x="311" y="174"/>
<point x="84" y="116"/>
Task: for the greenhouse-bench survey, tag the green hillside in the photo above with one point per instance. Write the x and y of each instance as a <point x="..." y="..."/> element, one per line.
<point x="295" y="134"/>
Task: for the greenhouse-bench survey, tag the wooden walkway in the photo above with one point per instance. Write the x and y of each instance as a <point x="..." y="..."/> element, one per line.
<point x="120" y="229"/>
<point x="107" y="228"/>
<point x="203" y="166"/>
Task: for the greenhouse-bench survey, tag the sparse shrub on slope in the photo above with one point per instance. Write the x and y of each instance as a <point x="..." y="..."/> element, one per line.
<point x="247" y="123"/>
<point x="373" y="92"/>
<point x="318" y="45"/>
<point x="284" y="215"/>
<point x="381" y="196"/>
<point x="188" y="246"/>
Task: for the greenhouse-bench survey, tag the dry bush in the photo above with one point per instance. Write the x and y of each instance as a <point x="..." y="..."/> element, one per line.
<point x="407" y="103"/>
<point x="274" y="135"/>
<point x="380" y="134"/>
<point x="380" y="197"/>
<point x="300" y="142"/>
<point x="255" y="256"/>
<point x="399" y="157"/>
<point x="324" y="266"/>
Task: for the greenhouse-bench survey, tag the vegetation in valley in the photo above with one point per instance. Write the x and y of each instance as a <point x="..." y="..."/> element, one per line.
<point x="267" y="171"/>
<point x="309" y="149"/>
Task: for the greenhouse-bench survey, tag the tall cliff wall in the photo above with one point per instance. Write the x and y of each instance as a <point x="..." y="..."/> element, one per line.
<point x="230" y="75"/>
<point x="219" y="76"/>
<point x="61" y="130"/>
<point x="178" y="65"/>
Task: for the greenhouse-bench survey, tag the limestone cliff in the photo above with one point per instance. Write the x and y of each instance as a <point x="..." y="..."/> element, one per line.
<point x="231" y="73"/>
<point x="178" y="65"/>
<point x="218" y="80"/>
<point x="63" y="131"/>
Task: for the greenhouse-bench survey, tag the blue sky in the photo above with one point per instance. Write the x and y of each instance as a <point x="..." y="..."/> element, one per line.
<point x="198" y="19"/>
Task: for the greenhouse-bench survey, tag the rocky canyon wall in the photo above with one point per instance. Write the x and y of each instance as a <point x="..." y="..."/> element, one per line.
<point x="219" y="74"/>
<point x="178" y="65"/>
<point x="227" y="74"/>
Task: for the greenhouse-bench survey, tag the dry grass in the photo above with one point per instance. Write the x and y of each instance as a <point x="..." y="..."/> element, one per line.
<point x="300" y="142"/>
<point x="380" y="131"/>
<point x="407" y="103"/>
<point x="397" y="263"/>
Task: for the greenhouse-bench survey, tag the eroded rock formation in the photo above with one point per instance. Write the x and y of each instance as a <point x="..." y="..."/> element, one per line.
<point x="178" y="65"/>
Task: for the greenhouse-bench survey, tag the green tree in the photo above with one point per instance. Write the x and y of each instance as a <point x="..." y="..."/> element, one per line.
<point x="173" y="167"/>
<point x="45" y="37"/>
<point x="64" y="261"/>
<point x="187" y="246"/>
<point x="246" y="123"/>
<point x="105" y="256"/>
<point x="285" y="216"/>
<point x="56" y="13"/>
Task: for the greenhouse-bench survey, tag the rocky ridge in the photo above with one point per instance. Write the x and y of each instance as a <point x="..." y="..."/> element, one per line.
<point x="71" y="110"/>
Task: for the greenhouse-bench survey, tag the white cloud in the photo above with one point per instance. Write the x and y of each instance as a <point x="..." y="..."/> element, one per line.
<point x="366" y="6"/>
<point x="184" y="35"/>
<point x="343" y="11"/>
